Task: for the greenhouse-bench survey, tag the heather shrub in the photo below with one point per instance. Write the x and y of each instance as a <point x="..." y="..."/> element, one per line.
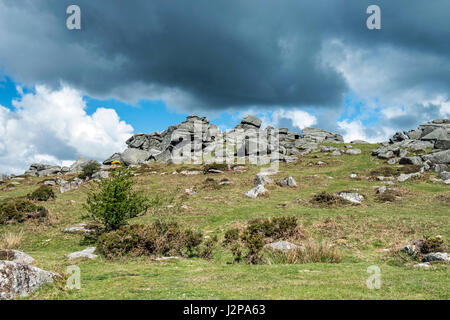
<point x="43" y="193"/>
<point x="19" y="210"/>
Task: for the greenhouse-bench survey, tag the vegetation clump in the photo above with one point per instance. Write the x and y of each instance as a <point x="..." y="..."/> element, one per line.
<point x="89" y="169"/>
<point x="327" y="199"/>
<point x="113" y="201"/>
<point x="311" y="252"/>
<point x="252" y="239"/>
<point x="19" y="210"/>
<point x="433" y="244"/>
<point x="389" y="171"/>
<point x="160" y="238"/>
<point x="43" y="193"/>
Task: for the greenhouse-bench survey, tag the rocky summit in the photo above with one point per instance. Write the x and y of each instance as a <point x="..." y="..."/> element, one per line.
<point x="197" y="136"/>
<point x="429" y="142"/>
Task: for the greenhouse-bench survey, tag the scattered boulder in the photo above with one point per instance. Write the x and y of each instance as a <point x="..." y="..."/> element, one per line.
<point x="353" y="151"/>
<point x="436" y="256"/>
<point x="406" y="176"/>
<point x="353" y="197"/>
<point x="287" y="182"/>
<point x="190" y="192"/>
<point x="281" y="246"/>
<point x="262" y="178"/>
<point x="411" y="160"/>
<point x="19" y="280"/>
<point x="133" y="156"/>
<point x="65" y="186"/>
<point x="15" y="256"/>
<point x="256" y="191"/>
<point x="444" y="175"/>
<point x="81" y="228"/>
<point x="87" y="253"/>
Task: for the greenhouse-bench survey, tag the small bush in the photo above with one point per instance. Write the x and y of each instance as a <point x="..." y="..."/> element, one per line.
<point x="89" y="169"/>
<point x="20" y="210"/>
<point x="113" y="201"/>
<point x="433" y="244"/>
<point x="253" y="238"/>
<point x="43" y="193"/>
<point x="231" y="236"/>
<point x="208" y="251"/>
<point x="158" y="238"/>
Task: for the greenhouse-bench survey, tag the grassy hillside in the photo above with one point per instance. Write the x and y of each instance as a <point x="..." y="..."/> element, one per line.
<point x="366" y="234"/>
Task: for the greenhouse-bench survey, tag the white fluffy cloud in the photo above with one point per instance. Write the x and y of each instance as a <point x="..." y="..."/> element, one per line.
<point x="355" y="130"/>
<point x="53" y="127"/>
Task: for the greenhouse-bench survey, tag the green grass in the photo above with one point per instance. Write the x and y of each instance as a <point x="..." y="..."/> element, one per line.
<point x="362" y="233"/>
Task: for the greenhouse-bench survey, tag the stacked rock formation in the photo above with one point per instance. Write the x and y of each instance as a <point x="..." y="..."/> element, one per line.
<point x="410" y="147"/>
<point x="195" y="137"/>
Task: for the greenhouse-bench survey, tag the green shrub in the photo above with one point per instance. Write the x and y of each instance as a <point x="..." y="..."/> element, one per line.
<point x="158" y="238"/>
<point x="327" y="199"/>
<point x="43" y="193"/>
<point x="252" y="239"/>
<point x="231" y="236"/>
<point x="89" y="169"/>
<point x="113" y="201"/>
<point x="20" y="210"/>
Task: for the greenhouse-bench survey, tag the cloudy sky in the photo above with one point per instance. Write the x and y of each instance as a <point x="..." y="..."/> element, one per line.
<point x="140" y="66"/>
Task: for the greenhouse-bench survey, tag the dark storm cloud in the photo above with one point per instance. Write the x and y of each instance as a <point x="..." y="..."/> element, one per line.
<point x="214" y="54"/>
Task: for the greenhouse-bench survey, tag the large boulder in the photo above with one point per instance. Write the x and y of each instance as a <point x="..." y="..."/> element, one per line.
<point x="249" y="122"/>
<point x="15" y="256"/>
<point x="134" y="156"/>
<point x="19" y="280"/>
<point x="442" y="157"/>
<point x="319" y="135"/>
<point x="115" y="157"/>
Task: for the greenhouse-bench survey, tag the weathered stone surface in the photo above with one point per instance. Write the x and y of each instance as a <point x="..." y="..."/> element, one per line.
<point x="353" y="151"/>
<point x="65" y="186"/>
<point x="19" y="280"/>
<point x="281" y="245"/>
<point x="287" y="182"/>
<point x="319" y="135"/>
<point x="353" y="197"/>
<point x="262" y="178"/>
<point x="87" y="253"/>
<point x="80" y="228"/>
<point x="115" y="157"/>
<point x="444" y="175"/>
<point x="256" y="191"/>
<point x="134" y="156"/>
<point x="436" y="256"/>
<point x="15" y="256"/>
<point x="406" y="176"/>
<point x="439" y="157"/>
<point x="411" y="160"/>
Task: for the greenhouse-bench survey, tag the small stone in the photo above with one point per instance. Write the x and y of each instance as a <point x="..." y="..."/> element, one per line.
<point x="86" y="253"/>
<point x="256" y="191"/>
<point x="436" y="256"/>
<point x="353" y="197"/>
<point x="190" y="192"/>
<point x="353" y="176"/>
<point x="424" y="265"/>
<point x="281" y="245"/>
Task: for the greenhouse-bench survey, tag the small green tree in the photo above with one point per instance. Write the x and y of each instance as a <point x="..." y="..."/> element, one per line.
<point x="113" y="201"/>
<point x="89" y="169"/>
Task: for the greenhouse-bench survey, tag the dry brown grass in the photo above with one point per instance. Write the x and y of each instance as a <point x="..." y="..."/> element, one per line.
<point x="310" y="252"/>
<point x="11" y="240"/>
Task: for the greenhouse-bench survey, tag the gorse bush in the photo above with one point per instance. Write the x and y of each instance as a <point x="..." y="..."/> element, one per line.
<point x="43" y="193"/>
<point x="158" y="239"/>
<point x="19" y="210"/>
<point x="113" y="201"/>
<point x="89" y="169"/>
